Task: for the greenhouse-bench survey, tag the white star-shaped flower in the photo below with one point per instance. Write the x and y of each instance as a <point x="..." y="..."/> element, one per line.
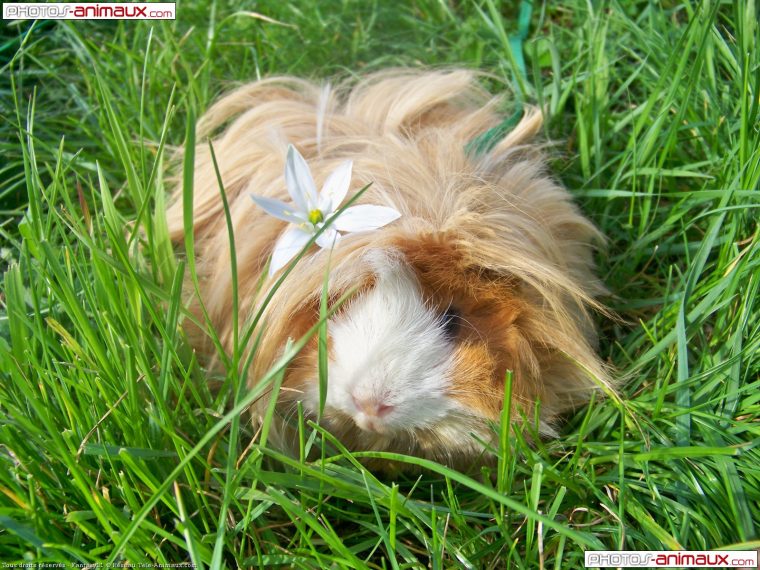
<point x="309" y="210"/>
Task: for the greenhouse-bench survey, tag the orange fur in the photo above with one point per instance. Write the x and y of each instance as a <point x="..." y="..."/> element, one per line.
<point x="493" y="235"/>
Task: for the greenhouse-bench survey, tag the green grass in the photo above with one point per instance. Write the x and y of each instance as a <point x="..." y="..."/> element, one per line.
<point x="113" y="444"/>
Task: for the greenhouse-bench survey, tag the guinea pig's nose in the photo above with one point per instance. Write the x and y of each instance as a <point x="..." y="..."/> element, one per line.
<point x="371" y="405"/>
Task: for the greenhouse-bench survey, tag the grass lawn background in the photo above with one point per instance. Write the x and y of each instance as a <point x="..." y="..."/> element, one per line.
<point x="112" y="445"/>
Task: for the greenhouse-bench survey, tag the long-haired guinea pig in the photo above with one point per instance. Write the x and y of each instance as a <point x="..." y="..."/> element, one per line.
<point x="488" y="267"/>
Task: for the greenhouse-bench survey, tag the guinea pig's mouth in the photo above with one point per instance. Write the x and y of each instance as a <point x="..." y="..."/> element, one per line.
<point x="453" y="437"/>
<point x="448" y="440"/>
<point x="364" y="421"/>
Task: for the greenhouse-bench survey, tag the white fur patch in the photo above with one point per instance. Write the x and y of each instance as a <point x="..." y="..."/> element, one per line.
<point x="389" y="346"/>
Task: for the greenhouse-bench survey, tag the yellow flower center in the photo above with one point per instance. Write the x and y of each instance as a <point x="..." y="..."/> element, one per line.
<point x="315" y="216"/>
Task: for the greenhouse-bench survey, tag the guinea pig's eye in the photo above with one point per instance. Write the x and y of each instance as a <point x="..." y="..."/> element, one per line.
<point x="451" y="322"/>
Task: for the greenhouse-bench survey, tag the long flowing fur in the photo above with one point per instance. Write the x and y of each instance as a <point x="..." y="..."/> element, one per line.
<point x="497" y="216"/>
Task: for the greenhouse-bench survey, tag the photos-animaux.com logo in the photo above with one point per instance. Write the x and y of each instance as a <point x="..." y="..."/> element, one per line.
<point x="90" y="11"/>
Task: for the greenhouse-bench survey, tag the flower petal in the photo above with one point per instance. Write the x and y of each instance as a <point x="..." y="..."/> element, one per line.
<point x="299" y="181"/>
<point x="328" y="239"/>
<point x="278" y="209"/>
<point x="364" y="218"/>
<point x="291" y="242"/>
<point x="335" y="188"/>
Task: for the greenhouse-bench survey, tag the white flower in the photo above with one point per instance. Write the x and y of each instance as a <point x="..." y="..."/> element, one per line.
<point x="309" y="211"/>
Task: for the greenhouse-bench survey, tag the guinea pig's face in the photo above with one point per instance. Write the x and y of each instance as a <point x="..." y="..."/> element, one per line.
<point x="392" y="364"/>
<point x="417" y="359"/>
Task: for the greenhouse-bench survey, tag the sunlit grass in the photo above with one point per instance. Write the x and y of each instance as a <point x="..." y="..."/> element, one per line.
<point x="118" y="445"/>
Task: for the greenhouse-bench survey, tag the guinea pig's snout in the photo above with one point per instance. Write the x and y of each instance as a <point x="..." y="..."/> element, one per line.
<point x="370" y="411"/>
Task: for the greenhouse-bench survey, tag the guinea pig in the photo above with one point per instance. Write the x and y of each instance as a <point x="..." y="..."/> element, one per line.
<point x="486" y="266"/>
